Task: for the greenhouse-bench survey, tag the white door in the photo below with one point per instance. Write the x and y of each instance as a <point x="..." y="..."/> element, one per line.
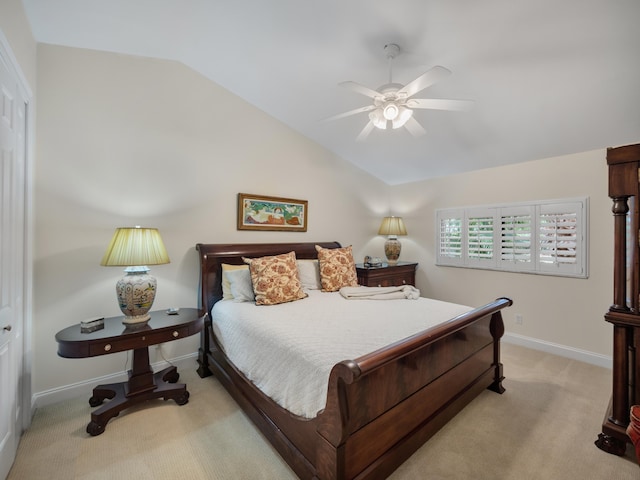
<point x="12" y="260"/>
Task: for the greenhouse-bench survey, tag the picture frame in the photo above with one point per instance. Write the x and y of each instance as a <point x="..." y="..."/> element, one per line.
<point x="261" y="212"/>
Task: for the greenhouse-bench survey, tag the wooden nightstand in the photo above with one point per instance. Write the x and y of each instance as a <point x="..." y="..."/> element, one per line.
<point x="403" y="273"/>
<point x="143" y="384"/>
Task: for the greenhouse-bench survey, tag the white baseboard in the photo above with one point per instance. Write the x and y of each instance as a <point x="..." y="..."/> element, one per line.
<point x="561" y="350"/>
<point x="85" y="388"/>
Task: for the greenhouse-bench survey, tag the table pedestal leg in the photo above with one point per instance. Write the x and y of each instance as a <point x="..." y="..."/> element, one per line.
<point x="142" y="385"/>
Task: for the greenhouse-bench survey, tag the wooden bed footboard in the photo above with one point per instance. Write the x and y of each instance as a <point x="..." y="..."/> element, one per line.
<point x="384" y="405"/>
<point x="380" y="407"/>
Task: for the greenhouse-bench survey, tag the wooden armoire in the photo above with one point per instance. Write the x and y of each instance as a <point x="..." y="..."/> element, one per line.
<point x="624" y="313"/>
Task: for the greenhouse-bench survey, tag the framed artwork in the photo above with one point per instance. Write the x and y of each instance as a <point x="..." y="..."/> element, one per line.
<point x="259" y="212"/>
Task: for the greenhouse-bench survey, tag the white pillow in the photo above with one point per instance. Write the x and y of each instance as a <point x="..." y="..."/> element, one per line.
<point x="240" y="285"/>
<point x="309" y="274"/>
<point x="226" y="288"/>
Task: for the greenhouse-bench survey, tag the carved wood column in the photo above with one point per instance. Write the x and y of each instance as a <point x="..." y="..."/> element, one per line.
<point x="620" y="209"/>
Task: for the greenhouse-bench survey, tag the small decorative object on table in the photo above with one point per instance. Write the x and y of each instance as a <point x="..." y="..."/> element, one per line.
<point x="91" y="325"/>
<point x="372" y="261"/>
<point x="392" y="226"/>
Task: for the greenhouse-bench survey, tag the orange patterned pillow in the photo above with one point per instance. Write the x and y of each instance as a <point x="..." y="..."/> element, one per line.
<point x="337" y="268"/>
<point x="275" y="279"/>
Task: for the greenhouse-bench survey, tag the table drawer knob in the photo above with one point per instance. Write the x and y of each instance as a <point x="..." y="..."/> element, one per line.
<point x="107" y="347"/>
<point x="175" y="334"/>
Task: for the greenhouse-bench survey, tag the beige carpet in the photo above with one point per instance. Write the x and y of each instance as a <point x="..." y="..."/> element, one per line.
<point x="542" y="427"/>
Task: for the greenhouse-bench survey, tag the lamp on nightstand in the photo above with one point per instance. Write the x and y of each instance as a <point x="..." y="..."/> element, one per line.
<point x="135" y="248"/>
<point x="392" y="227"/>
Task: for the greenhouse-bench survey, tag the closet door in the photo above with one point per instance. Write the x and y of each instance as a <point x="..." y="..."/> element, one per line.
<point x="12" y="260"/>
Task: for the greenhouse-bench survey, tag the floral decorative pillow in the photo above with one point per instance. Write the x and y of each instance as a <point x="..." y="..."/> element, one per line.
<point x="337" y="268"/>
<point x="275" y="279"/>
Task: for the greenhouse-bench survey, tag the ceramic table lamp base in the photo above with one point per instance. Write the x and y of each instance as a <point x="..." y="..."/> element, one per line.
<point x="392" y="250"/>
<point x="136" y="292"/>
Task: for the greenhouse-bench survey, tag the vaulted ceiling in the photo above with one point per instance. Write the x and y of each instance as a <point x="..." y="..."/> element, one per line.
<point x="547" y="77"/>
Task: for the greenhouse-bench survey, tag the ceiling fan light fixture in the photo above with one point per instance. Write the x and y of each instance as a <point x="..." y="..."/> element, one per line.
<point x="403" y="116"/>
<point x="378" y="119"/>
<point x="391" y="111"/>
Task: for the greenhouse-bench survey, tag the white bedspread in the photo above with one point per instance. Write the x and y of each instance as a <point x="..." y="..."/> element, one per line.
<point x="288" y="350"/>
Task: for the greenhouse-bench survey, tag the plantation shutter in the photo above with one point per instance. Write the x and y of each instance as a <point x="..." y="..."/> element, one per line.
<point x="516" y="232"/>
<point x="559" y="237"/>
<point x="480" y="237"/>
<point x="450" y="235"/>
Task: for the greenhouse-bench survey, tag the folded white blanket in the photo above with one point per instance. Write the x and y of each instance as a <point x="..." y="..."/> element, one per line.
<point x="380" y="293"/>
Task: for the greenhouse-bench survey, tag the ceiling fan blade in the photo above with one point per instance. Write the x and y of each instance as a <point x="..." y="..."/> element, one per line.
<point x="425" y="80"/>
<point x="414" y="127"/>
<point x="361" y="89"/>
<point x="441" y="104"/>
<point x="368" y="108"/>
<point x="365" y="132"/>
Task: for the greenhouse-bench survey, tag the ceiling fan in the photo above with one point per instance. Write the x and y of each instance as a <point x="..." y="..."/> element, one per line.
<point x="393" y="104"/>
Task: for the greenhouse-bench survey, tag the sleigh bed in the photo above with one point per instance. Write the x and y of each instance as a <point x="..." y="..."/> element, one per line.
<point x="381" y="406"/>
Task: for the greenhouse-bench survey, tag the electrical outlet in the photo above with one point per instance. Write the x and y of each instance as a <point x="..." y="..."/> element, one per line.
<point x="518" y="319"/>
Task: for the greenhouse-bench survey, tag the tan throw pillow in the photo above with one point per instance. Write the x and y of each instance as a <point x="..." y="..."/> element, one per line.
<point x="275" y="279"/>
<point x="337" y="268"/>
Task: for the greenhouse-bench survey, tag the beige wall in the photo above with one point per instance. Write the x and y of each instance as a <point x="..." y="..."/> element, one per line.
<point x="15" y="27"/>
<point x="128" y="141"/>
<point x="563" y="311"/>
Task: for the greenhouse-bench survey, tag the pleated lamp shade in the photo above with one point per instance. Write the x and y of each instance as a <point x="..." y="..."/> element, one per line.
<point x="392" y="226"/>
<point x="134" y="246"/>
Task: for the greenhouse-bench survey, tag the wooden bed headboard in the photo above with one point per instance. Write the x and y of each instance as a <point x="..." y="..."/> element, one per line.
<point x="212" y="256"/>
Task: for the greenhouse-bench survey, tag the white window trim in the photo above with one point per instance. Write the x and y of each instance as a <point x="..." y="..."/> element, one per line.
<point x="530" y="252"/>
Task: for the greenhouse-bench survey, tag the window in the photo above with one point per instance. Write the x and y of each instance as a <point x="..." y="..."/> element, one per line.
<point x="546" y="237"/>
